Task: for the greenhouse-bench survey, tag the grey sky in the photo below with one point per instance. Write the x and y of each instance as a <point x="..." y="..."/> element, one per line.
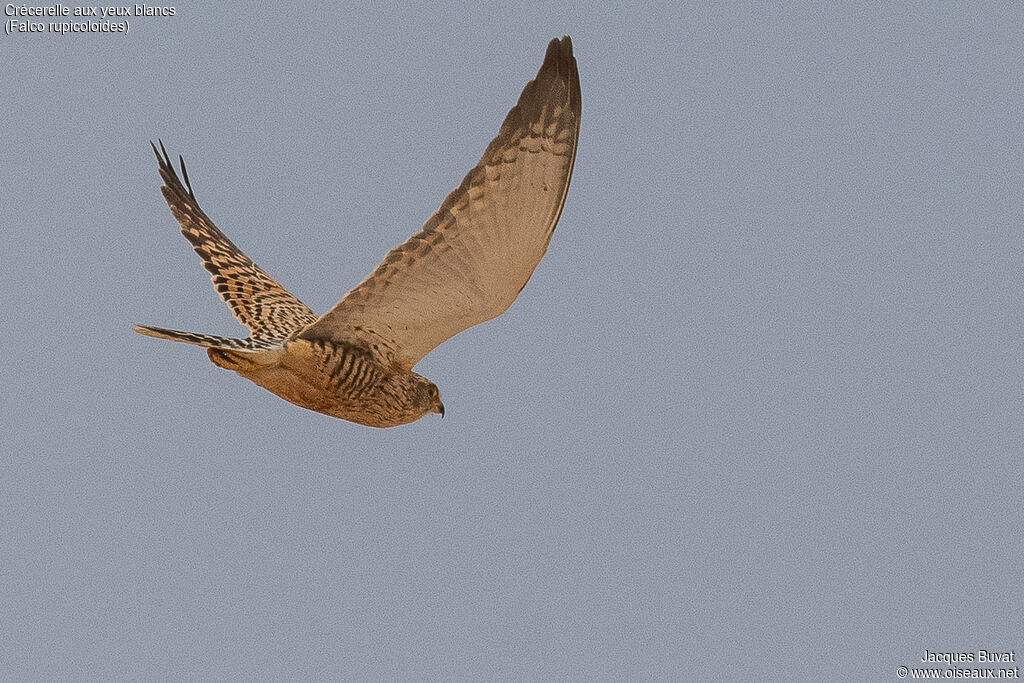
<point x="757" y="415"/>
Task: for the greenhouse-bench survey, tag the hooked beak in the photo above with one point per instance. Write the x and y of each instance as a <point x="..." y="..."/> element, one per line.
<point x="440" y="409"/>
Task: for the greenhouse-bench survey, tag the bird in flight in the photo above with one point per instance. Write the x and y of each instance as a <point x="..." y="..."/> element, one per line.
<point x="465" y="266"/>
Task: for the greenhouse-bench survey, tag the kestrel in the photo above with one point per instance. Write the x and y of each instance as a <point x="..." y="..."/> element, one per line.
<point x="467" y="265"/>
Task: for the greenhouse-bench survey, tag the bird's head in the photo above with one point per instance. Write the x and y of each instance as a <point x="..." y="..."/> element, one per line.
<point x="426" y="396"/>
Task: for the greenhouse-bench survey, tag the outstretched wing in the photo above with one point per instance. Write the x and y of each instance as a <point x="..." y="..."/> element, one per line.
<point x="257" y="300"/>
<point x="475" y="254"/>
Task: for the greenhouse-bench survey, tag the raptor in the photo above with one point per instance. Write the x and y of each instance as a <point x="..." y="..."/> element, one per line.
<point x="465" y="266"/>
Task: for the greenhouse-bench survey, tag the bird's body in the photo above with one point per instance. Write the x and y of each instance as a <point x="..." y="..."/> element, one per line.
<point x="467" y="265"/>
<point x="335" y="379"/>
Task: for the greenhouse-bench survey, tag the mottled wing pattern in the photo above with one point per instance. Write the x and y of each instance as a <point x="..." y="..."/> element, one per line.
<point x="257" y="300"/>
<point x="475" y="254"/>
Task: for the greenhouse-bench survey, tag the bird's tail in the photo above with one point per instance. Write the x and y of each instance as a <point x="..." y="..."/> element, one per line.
<point x="240" y="355"/>
<point x="210" y="341"/>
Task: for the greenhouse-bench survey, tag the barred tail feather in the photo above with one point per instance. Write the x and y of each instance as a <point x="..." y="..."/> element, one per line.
<point x="210" y="341"/>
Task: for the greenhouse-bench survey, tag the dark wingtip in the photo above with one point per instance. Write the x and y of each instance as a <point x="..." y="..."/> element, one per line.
<point x="161" y="154"/>
<point x="560" y="65"/>
<point x="559" y="51"/>
<point x="184" y="175"/>
<point x="167" y="169"/>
